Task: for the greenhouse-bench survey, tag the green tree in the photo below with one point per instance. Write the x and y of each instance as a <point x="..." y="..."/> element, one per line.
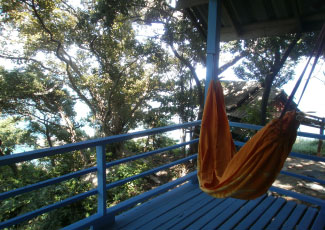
<point x="45" y="106"/>
<point x="64" y="54"/>
<point x="272" y="61"/>
<point x="188" y="47"/>
<point x="100" y="61"/>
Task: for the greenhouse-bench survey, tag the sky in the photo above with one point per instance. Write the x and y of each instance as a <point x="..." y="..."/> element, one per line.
<point x="313" y="100"/>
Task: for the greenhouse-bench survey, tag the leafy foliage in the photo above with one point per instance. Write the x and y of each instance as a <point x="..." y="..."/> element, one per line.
<point x="271" y="61"/>
<point x="65" y="54"/>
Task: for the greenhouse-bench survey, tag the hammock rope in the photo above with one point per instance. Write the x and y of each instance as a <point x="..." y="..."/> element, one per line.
<point x="318" y="50"/>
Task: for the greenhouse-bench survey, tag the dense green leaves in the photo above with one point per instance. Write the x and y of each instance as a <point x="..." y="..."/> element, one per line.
<point x="272" y="61"/>
<point x="65" y="53"/>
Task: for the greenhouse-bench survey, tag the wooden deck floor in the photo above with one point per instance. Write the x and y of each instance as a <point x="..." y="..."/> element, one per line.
<point x="187" y="207"/>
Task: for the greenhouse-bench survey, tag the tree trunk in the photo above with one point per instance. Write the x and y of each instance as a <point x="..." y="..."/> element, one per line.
<point x="275" y="69"/>
<point x="73" y="134"/>
<point x="265" y="98"/>
<point x="49" y="142"/>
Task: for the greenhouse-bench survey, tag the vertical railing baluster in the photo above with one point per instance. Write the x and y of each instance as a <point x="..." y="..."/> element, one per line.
<point x="101" y="187"/>
<point x="101" y="177"/>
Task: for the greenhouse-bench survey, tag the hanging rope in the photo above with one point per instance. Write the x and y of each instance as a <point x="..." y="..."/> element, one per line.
<point x="250" y="172"/>
<point x="318" y="49"/>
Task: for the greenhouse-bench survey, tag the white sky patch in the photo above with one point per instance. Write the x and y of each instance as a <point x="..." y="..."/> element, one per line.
<point x="172" y="3"/>
<point x="313" y="99"/>
<point x="143" y="32"/>
<point x="83" y="111"/>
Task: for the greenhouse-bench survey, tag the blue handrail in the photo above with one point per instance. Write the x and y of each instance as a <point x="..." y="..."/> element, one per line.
<point x="101" y="167"/>
<point x="31" y="155"/>
<point x="79" y="173"/>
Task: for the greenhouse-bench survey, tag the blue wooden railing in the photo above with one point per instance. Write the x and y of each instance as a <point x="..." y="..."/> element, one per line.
<point x="106" y="216"/>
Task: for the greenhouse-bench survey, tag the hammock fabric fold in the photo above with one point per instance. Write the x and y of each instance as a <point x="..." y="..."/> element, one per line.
<point x="250" y="172"/>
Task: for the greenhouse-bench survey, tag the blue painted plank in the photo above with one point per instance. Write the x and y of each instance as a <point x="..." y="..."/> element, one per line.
<point x="131" y="202"/>
<point x="213" y="43"/>
<point x="184" y="223"/>
<point x="303" y="177"/>
<point x="37" y="212"/>
<point x="199" y="224"/>
<point x="299" y="196"/>
<point x="269" y="214"/>
<point x="148" y="172"/>
<point x="101" y="179"/>
<point x="35" y="154"/>
<point x="319" y="223"/>
<point x="258" y="127"/>
<point x="160" y="218"/>
<point x="282" y="216"/>
<point x="292" y="154"/>
<point x="295" y="217"/>
<point x="150" y="153"/>
<point x="157" y="217"/>
<point x="307" y="219"/>
<point x="307" y="157"/>
<point x="45" y="183"/>
<point x="256" y="213"/>
<point x="30" y="155"/>
<point x="238" y="216"/>
<point x="199" y="207"/>
<point x="84" y="223"/>
<point x="226" y="214"/>
<point x="311" y="135"/>
<point x="146" y="195"/>
<point x="244" y="125"/>
<point x="164" y="203"/>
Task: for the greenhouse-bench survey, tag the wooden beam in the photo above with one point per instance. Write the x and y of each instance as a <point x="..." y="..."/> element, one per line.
<point x="225" y="8"/>
<point x="236" y="27"/>
<point x="297" y="14"/>
<point x="183" y="4"/>
<point x="271" y="28"/>
<point x="198" y="25"/>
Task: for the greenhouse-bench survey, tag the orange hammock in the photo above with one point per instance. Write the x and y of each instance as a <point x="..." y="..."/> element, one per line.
<point x="248" y="173"/>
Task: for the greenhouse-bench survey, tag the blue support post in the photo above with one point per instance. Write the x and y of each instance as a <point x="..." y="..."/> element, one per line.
<point x="101" y="177"/>
<point x="101" y="187"/>
<point x="214" y="24"/>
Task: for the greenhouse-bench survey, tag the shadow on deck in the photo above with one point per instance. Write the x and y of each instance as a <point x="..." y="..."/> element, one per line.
<point x="187" y="207"/>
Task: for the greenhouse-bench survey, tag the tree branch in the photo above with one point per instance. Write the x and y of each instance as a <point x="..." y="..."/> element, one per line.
<point x="191" y="68"/>
<point x="278" y="64"/>
<point x="26" y="59"/>
<point x="232" y="62"/>
<point x="77" y="90"/>
<point x="61" y="53"/>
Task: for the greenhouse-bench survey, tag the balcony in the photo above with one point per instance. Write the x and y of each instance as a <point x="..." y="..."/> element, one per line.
<point x="178" y="204"/>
